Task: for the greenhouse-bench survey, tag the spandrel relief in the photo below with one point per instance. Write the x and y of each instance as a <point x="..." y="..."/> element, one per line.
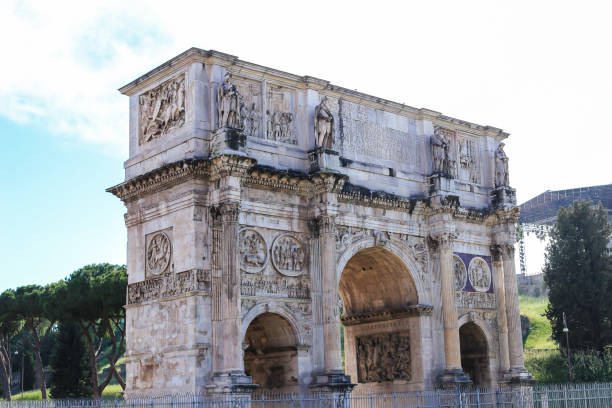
<point x="253" y="251"/>
<point x="288" y="255"/>
<point x="280" y="117"/>
<point x="383" y="357"/>
<point x="161" y="109"/>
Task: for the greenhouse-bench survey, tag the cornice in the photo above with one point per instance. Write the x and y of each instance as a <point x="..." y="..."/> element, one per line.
<point x="160" y="178"/>
<point x="370" y="317"/>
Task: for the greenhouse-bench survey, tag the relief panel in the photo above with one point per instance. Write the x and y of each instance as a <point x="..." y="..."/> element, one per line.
<point x="383" y="357"/>
<point x="158" y="254"/>
<point x="288" y="255"/>
<point x="161" y="109"/>
<point x="280" y="114"/>
<point x="253" y="251"/>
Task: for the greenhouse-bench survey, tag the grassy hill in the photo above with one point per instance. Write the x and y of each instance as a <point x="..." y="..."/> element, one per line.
<point x="539" y="326"/>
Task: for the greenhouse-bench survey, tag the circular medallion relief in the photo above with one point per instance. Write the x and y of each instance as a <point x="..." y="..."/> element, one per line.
<point x="253" y="251"/>
<point x="288" y="255"/>
<point x="460" y="272"/>
<point x="480" y="274"/>
<point x="158" y="253"/>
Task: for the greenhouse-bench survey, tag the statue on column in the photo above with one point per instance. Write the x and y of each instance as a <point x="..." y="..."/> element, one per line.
<point x="228" y="104"/>
<point x="439" y="152"/>
<point x="501" y="167"/>
<point x="324" y="126"/>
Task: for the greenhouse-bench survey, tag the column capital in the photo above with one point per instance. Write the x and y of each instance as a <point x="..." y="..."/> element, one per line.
<point x="326" y="224"/>
<point x="444" y="238"/>
<point x="230" y="212"/>
<point x="506" y="250"/>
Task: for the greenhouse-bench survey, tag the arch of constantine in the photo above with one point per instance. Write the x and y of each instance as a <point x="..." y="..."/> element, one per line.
<point x="292" y="234"/>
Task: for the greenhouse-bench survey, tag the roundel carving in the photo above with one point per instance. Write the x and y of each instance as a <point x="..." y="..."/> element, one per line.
<point x="158" y="253"/>
<point x="253" y="251"/>
<point x="460" y="273"/>
<point x="480" y="274"/>
<point x="288" y="255"/>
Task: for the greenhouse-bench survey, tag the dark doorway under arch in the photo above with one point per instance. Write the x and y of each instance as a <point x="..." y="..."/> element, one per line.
<point x="474" y="354"/>
<point x="270" y="356"/>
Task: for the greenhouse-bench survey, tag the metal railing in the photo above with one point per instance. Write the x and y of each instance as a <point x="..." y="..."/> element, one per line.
<point x="540" y="396"/>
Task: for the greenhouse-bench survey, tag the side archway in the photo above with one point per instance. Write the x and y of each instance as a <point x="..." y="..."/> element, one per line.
<point x="476" y="350"/>
<point x="271" y="347"/>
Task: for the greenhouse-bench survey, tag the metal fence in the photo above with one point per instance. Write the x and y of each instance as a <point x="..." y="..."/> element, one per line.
<point x="559" y="396"/>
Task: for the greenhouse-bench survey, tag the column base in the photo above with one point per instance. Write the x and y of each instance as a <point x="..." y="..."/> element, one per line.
<point x="332" y="382"/>
<point x="451" y="378"/>
<point x="231" y="383"/>
<point x="519" y="376"/>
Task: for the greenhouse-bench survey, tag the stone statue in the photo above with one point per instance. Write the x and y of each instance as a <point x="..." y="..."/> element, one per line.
<point x="501" y="167"/>
<point x="324" y="126"/>
<point x="439" y="152"/>
<point x="228" y="104"/>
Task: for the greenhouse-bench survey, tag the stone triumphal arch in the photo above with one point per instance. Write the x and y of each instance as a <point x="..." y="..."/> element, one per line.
<point x="289" y="233"/>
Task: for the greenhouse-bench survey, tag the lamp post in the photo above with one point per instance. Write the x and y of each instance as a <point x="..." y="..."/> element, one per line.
<point x="21" y="371"/>
<point x="569" y="353"/>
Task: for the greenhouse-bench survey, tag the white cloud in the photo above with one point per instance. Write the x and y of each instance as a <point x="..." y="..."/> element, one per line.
<point x="540" y="70"/>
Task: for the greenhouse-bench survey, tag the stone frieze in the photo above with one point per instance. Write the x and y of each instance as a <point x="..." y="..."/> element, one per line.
<point x="168" y="285"/>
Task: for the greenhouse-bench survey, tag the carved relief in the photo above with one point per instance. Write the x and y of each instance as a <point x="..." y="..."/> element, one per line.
<point x="381" y="238"/>
<point x="253" y="251"/>
<point x="460" y="273"/>
<point x="279" y="116"/>
<point x="249" y="102"/>
<point x="468" y="164"/>
<point x="475" y="300"/>
<point x="324" y="125"/>
<point x="480" y="274"/>
<point x="168" y="285"/>
<point x="288" y="255"/>
<point x="383" y="357"/>
<point x="162" y="109"/>
<point x="159" y="251"/>
<point x="261" y="285"/>
<point x="346" y="236"/>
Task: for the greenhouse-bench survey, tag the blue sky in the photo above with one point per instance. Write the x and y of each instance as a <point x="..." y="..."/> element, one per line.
<point x="539" y="70"/>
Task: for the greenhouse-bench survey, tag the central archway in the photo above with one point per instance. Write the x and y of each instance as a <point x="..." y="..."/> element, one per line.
<point x="380" y="315"/>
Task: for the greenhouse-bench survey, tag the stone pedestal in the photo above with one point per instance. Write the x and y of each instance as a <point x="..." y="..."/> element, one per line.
<point x="503" y="197"/>
<point x="442" y="190"/>
<point x="236" y="383"/>
<point x="228" y="141"/>
<point x="324" y="160"/>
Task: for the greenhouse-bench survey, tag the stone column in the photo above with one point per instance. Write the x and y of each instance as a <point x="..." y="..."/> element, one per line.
<point x="228" y="362"/>
<point x="331" y="315"/>
<point x="500" y="297"/>
<point x="513" y="316"/>
<point x="332" y="379"/>
<point x="452" y="351"/>
<point x="230" y="269"/>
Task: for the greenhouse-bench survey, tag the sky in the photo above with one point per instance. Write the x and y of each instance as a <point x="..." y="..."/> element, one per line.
<point x="540" y="70"/>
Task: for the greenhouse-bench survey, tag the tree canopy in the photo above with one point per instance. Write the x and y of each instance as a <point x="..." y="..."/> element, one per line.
<point x="578" y="272"/>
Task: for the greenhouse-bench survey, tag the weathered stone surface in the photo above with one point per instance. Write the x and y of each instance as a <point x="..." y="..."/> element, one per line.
<point x="259" y="203"/>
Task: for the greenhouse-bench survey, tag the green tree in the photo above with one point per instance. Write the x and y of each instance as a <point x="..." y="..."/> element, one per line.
<point x="70" y="363"/>
<point x="93" y="297"/>
<point x="578" y="274"/>
<point x="30" y="305"/>
<point x="9" y="328"/>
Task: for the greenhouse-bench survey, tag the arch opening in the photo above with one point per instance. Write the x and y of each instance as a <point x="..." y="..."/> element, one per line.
<point x="381" y="330"/>
<point x="474" y="354"/>
<point x="270" y="354"/>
